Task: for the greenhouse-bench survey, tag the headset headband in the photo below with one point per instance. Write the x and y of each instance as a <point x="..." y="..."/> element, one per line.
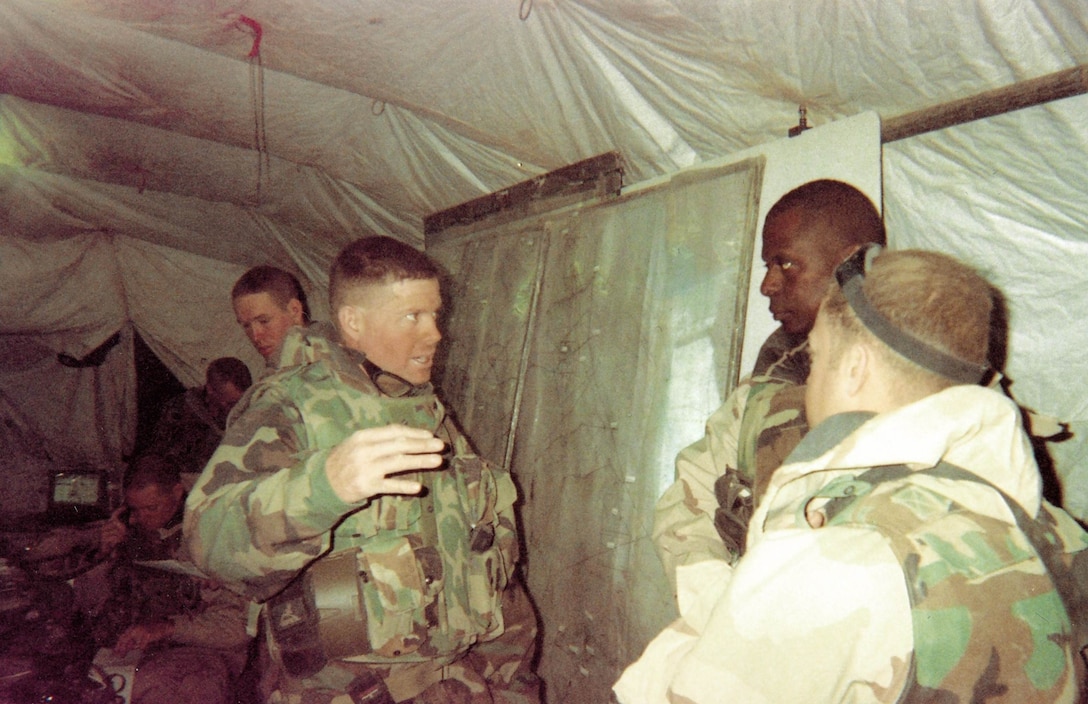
<point x="851" y="275"/>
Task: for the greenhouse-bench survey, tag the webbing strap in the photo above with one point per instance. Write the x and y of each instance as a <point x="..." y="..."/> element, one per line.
<point x="1072" y="589"/>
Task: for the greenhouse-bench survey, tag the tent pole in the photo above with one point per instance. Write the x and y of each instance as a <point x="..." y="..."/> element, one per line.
<point x="1025" y="94"/>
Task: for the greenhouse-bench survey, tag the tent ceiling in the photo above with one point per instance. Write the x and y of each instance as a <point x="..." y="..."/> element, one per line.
<point x="335" y="118"/>
<point x="150" y="149"/>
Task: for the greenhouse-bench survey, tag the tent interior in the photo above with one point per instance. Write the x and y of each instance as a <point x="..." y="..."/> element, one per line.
<point x="151" y="152"/>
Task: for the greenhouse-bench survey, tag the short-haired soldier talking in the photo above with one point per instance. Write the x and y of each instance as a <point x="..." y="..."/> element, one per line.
<point x="345" y="499"/>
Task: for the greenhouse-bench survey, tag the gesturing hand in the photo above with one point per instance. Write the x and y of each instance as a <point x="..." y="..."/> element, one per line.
<point x="365" y="464"/>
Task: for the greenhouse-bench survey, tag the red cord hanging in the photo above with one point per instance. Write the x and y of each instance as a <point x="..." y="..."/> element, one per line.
<point x="256" y="88"/>
<point x="257" y="32"/>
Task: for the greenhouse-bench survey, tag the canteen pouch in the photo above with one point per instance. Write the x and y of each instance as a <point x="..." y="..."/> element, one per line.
<point x="319" y="616"/>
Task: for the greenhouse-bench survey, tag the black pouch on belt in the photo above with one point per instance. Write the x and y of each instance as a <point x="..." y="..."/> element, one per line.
<point x="320" y="615"/>
<point x="369" y="688"/>
<point x="293" y="624"/>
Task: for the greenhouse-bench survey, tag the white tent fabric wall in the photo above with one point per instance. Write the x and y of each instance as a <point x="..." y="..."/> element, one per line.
<point x="70" y="296"/>
<point x="398" y="104"/>
<point x="150" y="151"/>
<point x="62" y="297"/>
<point x="180" y="305"/>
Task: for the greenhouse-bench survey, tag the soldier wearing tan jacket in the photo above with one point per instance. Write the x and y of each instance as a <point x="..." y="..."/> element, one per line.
<point x="903" y="553"/>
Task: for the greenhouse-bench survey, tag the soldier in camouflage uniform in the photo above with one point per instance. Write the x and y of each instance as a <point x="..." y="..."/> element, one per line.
<point x="191" y="424"/>
<point x="268" y="302"/>
<point x="346" y="500"/>
<point x="701" y="520"/>
<point x="904" y="552"/>
<point x="189" y="633"/>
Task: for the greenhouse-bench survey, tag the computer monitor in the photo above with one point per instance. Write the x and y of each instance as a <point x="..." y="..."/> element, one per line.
<point x="77" y="495"/>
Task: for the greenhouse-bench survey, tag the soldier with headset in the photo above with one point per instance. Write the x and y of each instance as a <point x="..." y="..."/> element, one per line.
<point x="345" y="499"/>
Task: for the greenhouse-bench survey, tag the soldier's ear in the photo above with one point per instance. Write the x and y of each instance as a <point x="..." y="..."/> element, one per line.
<point x="294" y="308"/>
<point x="857" y="367"/>
<point x="350" y="320"/>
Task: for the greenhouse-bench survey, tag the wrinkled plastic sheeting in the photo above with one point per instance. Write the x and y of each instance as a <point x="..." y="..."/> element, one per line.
<point x="67" y="297"/>
<point x="1017" y="229"/>
<point x="586" y="348"/>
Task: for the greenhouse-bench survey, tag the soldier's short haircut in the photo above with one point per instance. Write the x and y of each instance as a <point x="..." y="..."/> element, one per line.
<point x="376" y="259"/>
<point x="841" y="209"/>
<point x="151" y="470"/>
<point x="930" y="296"/>
<point x="229" y="370"/>
<point x="282" y="286"/>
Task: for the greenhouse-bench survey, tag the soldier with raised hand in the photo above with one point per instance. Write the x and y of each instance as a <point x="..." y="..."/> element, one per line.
<point x="701" y="521"/>
<point x="346" y="500"/>
<point x="903" y="553"/>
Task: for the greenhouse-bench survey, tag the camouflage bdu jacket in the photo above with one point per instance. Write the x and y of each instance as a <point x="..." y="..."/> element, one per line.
<point x="431" y="569"/>
<point x="701" y="520"/>
<point x="922" y="589"/>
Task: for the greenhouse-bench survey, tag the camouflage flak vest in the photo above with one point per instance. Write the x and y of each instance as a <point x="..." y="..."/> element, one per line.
<point x="773" y="424"/>
<point x="989" y="623"/>
<point x="409" y="578"/>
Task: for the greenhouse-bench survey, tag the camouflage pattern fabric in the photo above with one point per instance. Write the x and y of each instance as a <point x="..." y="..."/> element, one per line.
<point x="186" y="433"/>
<point x="784" y="357"/>
<point x="703" y="516"/>
<point x="989" y="622"/>
<point x="184" y="675"/>
<point x="307" y="344"/>
<point x="772" y="425"/>
<point x="818" y="610"/>
<point x="433" y="570"/>
<point x="497" y="671"/>
<point x="301" y="345"/>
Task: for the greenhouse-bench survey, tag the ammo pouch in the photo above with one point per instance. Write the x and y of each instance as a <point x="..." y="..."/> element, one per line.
<point x="734" y="493"/>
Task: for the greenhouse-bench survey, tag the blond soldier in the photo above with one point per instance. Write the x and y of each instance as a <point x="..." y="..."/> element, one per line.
<point x="903" y="552"/>
<point x="268" y="302"/>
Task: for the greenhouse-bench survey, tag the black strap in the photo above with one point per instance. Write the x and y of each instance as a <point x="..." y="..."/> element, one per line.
<point x="921" y="353"/>
<point x="850" y="275"/>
